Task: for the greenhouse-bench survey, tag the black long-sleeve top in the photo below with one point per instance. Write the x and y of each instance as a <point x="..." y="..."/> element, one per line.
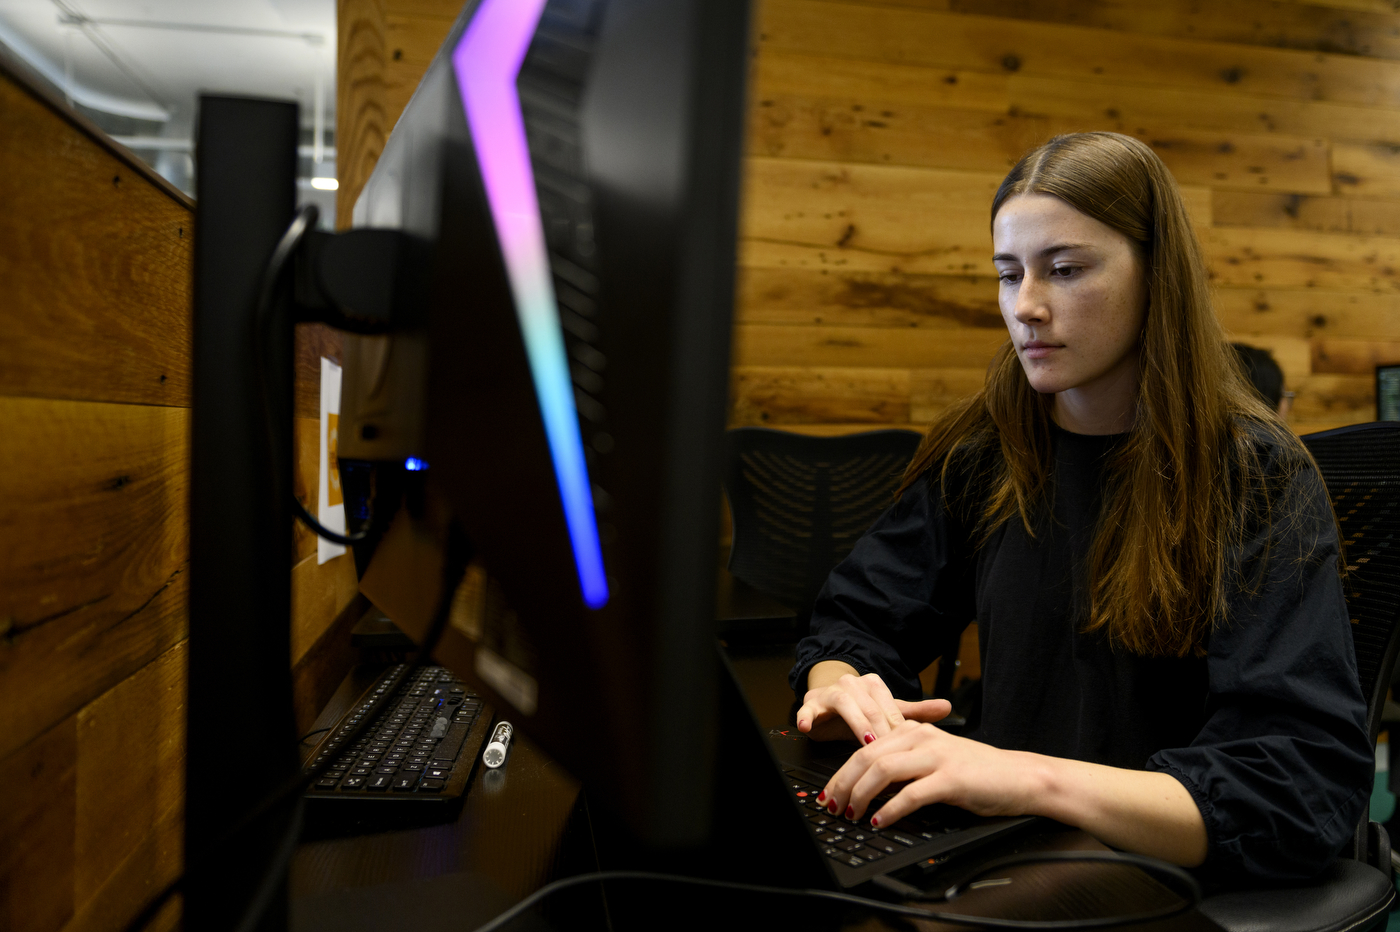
<point x="1266" y="731"/>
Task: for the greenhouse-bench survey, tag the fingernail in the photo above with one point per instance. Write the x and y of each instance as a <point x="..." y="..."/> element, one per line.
<point x="831" y="806"/>
<point x="874" y="821"/>
<point x="821" y="797"/>
<point x="850" y="812"/>
<point x="869" y="737"/>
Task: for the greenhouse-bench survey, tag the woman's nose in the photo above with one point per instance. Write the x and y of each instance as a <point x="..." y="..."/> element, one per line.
<point x="1031" y="301"/>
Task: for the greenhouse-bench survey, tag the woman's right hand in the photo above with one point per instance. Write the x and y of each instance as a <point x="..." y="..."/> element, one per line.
<point x="841" y="703"/>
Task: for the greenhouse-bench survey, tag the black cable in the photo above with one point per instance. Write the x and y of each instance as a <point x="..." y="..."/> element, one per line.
<point x="263" y="318"/>
<point x="1182" y="884"/>
<point x="313" y="733"/>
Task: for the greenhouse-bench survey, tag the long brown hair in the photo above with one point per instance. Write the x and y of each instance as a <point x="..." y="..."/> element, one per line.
<point x="1177" y="488"/>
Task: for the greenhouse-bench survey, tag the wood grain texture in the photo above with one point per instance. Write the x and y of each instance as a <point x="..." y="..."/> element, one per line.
<point x="909" y="115"/>
<point x="1369" y="216"/>
<point x="1003" y="40"/>
<point x="769" y="396"/>
<point x="93" y="552"/>
<point x="1353" y="357"/>
<point x="933" y="390"/>
<point x="38" y="786"/>
<point x="412" y="38"/>
<point x="1126" y="108"/>
<point x="362" y="123"/>
<point x="801" y="296"/>
<point x="1320" y="397"/>
<point x="128" y="840"/>
<point x="324" y="664"/>
<point x="874" y="218"/>
<point x="1272" y="258"/>
<point x="1309" y="313"/>
<point x="319" y="594"/>
<point x="1366" y="171"/>
<point x="904" y="348"/>
<point x="312" y="341"/>
<point x="95" y="262"/>
<point x="1303" y="26"/>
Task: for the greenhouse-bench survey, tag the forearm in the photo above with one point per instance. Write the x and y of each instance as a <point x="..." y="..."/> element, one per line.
<point x="827" y="672"/>
<point x="1136" y="810"/>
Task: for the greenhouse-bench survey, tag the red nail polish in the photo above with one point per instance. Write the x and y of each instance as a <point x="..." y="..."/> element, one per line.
<point x="875" y="821"/>
<point x="831" y="806"/>
<point x="850" y="812"/>
<point x="869" y="737"/>
<point x="821" y="797"/>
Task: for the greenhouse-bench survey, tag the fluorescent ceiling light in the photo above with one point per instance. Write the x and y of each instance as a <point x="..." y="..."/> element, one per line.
<point x="325" y="184"/>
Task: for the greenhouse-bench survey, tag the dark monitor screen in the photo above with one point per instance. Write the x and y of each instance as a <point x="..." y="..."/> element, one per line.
<point x="571" y="168"/>
<point x="1388" y="393"/>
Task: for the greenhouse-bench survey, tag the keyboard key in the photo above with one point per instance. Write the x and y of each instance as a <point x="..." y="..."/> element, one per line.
<point x="353" y="783"/>
<point x="888" y="847"/>
<point x="405" y="783"/>
<point x="850" y="846"/>
<point x="378" y="782"/>
<point x="388" y="768"/>
<point x="431" y="786"/>
<point x="439" y="773"/>
<point x="411" y="768"/>
<point x="820" y="819"/>
<point x="852" y="860"/>
<point x="327" y="783"/>
<point x="903" y="839"/>
<point x="362" y="771"/>
<point x="870" y="854"/>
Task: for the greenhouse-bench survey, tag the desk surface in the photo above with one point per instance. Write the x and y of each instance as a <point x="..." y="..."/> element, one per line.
<point x="520" y="827"/>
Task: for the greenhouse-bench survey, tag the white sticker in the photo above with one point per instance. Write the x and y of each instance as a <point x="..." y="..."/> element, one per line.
<point x="514" y="685"/>
<point x="330" y="500"/>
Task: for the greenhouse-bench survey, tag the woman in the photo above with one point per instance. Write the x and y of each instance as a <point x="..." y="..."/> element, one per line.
<point x="1149" y="553"/>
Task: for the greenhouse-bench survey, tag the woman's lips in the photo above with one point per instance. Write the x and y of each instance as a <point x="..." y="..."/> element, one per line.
<point x="1038" y="349"/>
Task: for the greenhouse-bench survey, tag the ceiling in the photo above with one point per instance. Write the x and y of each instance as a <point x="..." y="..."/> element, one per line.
<point x="137" y="66"/>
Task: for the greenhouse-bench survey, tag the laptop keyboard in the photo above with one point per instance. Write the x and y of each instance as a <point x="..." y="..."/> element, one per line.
<point x="856" y="843"/>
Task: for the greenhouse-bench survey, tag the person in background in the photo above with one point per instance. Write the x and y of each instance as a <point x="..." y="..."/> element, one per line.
<point x="1266" y="377"/>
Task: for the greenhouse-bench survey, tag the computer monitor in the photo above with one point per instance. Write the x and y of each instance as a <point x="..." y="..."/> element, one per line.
<point x="1388" y="392"/>
<point x="571" y="169"/>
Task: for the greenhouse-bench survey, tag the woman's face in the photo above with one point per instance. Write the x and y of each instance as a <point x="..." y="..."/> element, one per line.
<point x="1074" y="298"/>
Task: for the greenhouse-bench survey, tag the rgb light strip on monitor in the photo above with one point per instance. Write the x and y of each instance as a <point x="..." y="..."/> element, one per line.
<point x="487" y="61"/>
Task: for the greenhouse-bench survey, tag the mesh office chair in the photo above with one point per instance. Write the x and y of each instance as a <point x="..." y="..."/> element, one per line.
<point x="800" y="503"/>
<point x="1361" y="465"/>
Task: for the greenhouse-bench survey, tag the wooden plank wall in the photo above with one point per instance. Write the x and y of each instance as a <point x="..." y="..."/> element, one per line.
<point x="880" y="128"/>
<point x="94" y="479"/>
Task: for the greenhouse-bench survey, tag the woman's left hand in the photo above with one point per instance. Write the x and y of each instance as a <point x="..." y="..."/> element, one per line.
<point x="942" y="768"/>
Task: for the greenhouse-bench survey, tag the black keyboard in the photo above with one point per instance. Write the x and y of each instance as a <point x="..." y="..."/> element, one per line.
<point x="421" y="745"/>
<point x="857" y="843"/>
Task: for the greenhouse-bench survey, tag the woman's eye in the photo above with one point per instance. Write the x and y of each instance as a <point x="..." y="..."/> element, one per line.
<point x="1064" y="271"/>
<point x="1009" y="278"/>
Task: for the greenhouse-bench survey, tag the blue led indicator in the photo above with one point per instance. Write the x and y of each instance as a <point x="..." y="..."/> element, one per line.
<point x="414" y="464"/>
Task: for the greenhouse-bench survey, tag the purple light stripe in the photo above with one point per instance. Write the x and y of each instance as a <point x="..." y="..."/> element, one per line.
<point x="487" y="61"/>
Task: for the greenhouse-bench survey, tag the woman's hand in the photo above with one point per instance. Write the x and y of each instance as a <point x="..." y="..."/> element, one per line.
<point x="940" y="768"/>
<point x="843" y="704"/>
<point x="1137" y="810"/>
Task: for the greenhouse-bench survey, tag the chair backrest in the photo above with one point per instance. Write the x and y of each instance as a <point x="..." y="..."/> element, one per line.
<point x="799" y="503"/>
<point x="1361" y="466"/>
